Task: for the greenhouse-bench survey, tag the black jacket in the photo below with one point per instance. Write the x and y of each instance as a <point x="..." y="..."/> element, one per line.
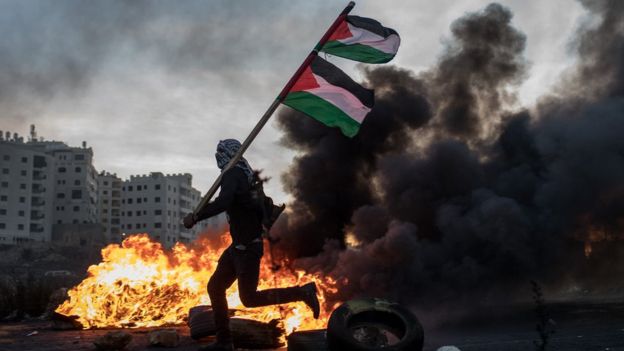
<point x="235" y="198"/>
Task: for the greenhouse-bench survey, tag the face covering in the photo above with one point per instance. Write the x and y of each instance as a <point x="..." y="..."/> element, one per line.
<point x="226" y="149"/>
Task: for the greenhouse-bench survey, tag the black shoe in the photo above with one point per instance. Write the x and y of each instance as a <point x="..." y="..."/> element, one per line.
<point x="217" y="346"/>
<point x="310" y="299"/>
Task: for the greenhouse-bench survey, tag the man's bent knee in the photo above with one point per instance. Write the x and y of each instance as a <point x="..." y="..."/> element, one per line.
<point x="248" y="298"/>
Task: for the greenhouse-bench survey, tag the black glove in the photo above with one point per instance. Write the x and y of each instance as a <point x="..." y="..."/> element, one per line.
<point x="189" y="221"/>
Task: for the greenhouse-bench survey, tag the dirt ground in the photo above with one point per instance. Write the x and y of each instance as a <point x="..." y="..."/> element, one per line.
<point x="578" y="326"/>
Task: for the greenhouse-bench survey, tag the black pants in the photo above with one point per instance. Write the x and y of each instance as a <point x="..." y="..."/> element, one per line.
<point x="243" y="265"/>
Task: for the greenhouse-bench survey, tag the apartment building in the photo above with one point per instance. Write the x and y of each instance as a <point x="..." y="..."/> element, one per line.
<point x="109" y="205"/>
<point x="26" y="191"/>
<point x="156" y="204"/>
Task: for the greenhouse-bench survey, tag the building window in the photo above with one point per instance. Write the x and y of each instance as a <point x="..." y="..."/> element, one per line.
<point x="129" y="213"/>
<point x="3" y="198"/>
<point x="24" y="159"/>
<point x="3" y="211"/>
<point x="76" y="194"/>
<point x="6" y="157"/>
<point x="78" y="169"/>
<point x="145" y="199"/>
<point x="138" y="213"/>
<point x="23" y="173"/>
<point x="5" y="171"/>
<point x="79" y="157"/>
<point x="22" y="199"/>
<point x="76" y="182"/>
<point x="60" y="195"/>
<point x="105" y="192"/>
<point x="20" y="227"/>
<point x="2" y="226"/>
<point x="157" y="212"/>
<point x="62" y="170"/>
<point x="129" y="201"/>
<point x="139" y="187"/>
<point x="5" y="184"/>
<point x="20" y="213"/>
<point x="138" y="200"/>
<point x="22" y="186"/>
<point x="130" y="188"/>
<point x="157" y="199"/>
<point x="157" y="225"/>
<point x="157" y="186"/>
<point x="76" y="208"/>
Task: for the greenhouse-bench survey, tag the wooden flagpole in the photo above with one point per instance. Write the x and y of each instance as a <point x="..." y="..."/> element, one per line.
<point x="282" y="95"/>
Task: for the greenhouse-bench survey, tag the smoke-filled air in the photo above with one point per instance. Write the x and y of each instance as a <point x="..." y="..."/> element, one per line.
<point x="452" y="192"/>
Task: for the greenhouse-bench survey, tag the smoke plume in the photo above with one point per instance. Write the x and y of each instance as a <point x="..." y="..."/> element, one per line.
<point x="450" y="191"/>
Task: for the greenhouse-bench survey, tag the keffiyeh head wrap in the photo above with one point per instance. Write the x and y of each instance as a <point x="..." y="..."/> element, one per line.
<point x="226" y="149"/>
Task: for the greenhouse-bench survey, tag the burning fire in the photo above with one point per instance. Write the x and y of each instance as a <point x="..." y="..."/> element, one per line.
<point x="140" y="284"/>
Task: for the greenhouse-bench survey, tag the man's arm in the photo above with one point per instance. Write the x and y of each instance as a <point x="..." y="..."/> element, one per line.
<point x="220" y="204"/>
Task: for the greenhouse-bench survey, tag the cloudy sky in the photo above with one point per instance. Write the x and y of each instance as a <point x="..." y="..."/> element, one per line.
<point x="153" y="86"/>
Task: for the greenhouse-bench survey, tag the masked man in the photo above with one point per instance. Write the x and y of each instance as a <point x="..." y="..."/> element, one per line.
<point x="241" y="261"/>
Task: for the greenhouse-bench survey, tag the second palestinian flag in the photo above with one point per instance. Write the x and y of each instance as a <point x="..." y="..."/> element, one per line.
<point x="363" y="39"/>
<point x="327" y="94"/>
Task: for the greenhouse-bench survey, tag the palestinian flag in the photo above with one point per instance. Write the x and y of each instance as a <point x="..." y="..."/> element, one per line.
<point x="330" y="96"/>
<point x="363" y="39"/>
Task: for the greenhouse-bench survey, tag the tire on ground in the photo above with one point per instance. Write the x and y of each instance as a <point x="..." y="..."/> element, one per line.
<point x="308" y="340"/>
<point x="201" y="322"/>
<point x="374" y="314"/>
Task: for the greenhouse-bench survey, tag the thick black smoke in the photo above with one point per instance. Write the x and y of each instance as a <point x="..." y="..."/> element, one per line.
<point x="451" y="196"/>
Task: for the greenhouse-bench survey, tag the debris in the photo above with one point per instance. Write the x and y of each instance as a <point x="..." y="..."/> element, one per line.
<point x="247" y="333"/>
<point x="164" y="338"/>
<point x="116" y="340"/>
<point x="63" y="322"/>
<point x="32" y="333"/>
<point x="370" y="336"/>
<point x="56" y="299"/>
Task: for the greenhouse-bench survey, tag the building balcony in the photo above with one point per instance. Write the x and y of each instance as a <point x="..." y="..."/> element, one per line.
<point x="39" y="175"/>
<point x="36" y="215"/>
<point x="36" y="228"/>
<point x="36" y="201"/>
<point x="38" y="189"/>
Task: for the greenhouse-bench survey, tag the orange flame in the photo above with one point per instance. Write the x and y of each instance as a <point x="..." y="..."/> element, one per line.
<point x="139" y="284"/>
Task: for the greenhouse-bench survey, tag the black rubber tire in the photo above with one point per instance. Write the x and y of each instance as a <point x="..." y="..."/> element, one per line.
<point x="391" y="316"/>
<point x="201" y="322"/>
<point x="308" y="340"/>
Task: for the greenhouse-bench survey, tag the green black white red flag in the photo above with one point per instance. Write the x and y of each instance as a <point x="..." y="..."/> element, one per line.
<point x="363" y="39"/>
<point x="329" y="95"/>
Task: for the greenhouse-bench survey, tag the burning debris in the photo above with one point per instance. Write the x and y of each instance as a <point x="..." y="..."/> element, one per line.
<point x="139" y="284"/>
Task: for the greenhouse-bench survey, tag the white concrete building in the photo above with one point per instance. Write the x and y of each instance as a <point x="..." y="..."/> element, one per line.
<point x="156" y="204"/>
<point x="26" y="191"/>
<point x="109" y="205"/>
<point x="75" y="187"/>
